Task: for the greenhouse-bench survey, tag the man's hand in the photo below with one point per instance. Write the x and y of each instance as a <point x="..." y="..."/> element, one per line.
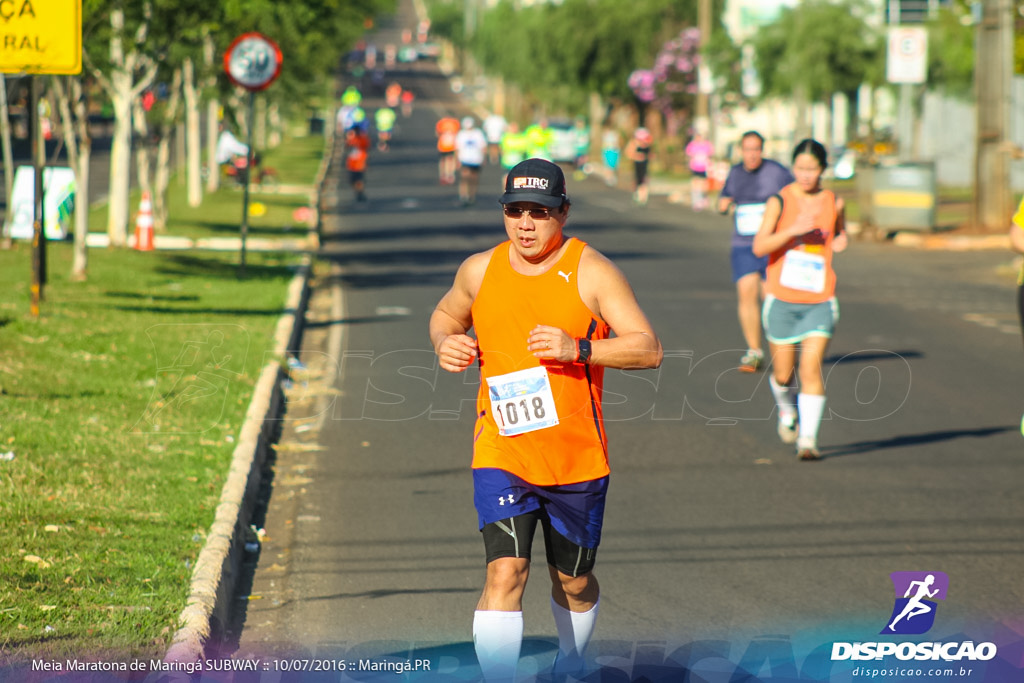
<point x="456" y="352"/>
<point x="554" y="343"/>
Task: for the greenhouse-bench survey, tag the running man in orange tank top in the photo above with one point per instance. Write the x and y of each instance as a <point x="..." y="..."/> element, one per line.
<point x="803" y="227"/>
<point x="549" y="313"/>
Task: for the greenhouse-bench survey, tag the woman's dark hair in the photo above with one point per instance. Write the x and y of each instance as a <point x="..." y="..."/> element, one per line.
<point x="814" y="148"/>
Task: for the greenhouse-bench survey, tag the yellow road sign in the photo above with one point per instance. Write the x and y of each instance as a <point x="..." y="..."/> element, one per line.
<point x="41" y="36"/>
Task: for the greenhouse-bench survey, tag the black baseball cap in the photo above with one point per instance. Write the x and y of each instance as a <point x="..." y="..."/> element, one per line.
<point x="535" y="180"/>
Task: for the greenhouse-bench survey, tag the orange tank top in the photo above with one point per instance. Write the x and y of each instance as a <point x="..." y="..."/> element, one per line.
<point x="801" y="271"/>
<point x="509" y="305"/>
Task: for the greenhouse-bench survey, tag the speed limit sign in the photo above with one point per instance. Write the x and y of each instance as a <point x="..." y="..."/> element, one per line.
<point x="907" y="55"/>
<point x="252" y="61"/>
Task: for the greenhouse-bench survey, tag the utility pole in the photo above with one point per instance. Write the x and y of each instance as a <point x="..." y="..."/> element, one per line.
<point x="704" y="24"/>
<point x="993" y="74"/>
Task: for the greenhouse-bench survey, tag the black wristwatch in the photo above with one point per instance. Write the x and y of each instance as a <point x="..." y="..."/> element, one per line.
<point x="585" y="349"/>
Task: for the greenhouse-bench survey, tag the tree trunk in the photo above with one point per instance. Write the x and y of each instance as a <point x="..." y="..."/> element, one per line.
<point x="162" y="173"/>
<point x="80" y="264"/>
<point x="143" y="150"/>
<point x="830" y="121"/>
<point x="853" y="117"/>
<point x="180" y="155"/>
<point x="120" y="161"/>
<point x="8" y="154"/>
<point x="212" y="119"/>
<point x="803" y="113"/>
<point x="259" y="133"/>
<point x="598" y="110"/>
<point x="123" y="88"/>
<point x="75" y="127"/>
<point x="274" y="135"/>
<point x="194" y="154"/>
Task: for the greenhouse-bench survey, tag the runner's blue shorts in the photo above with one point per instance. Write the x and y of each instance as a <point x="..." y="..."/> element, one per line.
<point x="744" y="262"/>
<point x="576" y="511"/>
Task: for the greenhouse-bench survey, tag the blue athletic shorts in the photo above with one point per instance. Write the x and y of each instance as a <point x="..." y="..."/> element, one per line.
<point x="788" y="323"/>
<point x="576" y="511"/>
<point x="744" y="262"/>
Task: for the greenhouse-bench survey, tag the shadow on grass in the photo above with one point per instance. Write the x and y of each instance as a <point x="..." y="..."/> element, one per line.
<point x="232" y="229"/>
<point x="149" y="297"/>
<point x="183" y="264"/>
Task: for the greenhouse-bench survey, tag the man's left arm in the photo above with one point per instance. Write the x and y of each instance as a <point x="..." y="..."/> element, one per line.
<point x="634" y="344"/>
<point x="604" y="288"/>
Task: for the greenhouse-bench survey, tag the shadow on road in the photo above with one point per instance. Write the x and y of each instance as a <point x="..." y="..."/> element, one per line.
<point x="913" y="440"/>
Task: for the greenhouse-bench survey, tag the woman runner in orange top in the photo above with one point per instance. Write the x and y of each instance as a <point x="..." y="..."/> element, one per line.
<point x="803" y="226"/>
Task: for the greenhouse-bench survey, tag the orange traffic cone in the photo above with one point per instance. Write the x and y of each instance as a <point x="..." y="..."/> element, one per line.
<point x="144" y="224"/>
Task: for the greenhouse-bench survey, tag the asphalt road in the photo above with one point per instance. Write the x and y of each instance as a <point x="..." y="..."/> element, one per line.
<point x="719" y="548"/>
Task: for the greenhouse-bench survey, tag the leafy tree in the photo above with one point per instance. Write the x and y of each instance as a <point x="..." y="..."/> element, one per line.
<point x="816" y="50"/>
<point x="951" y="38"/>
<point x="118" y="53"/>
<point x="673" y="80"/>
<point x="448" y="21"/>
<point x="130" y="46"/>
<point x="563" y="53"/>
<point x="1018" y="39"/>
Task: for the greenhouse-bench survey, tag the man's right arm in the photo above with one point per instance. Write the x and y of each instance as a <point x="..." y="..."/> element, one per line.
<point x="725" y="200"/>
<point x="452" y="317"/>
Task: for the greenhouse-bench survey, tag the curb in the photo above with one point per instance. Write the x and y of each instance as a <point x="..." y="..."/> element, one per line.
<point x="177" y="243"/>
<point x="219" y="564"/>
<point x="951" y="242"/>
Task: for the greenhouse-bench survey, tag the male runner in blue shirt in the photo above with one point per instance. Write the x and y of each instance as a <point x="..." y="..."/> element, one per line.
<point x="747" y="188"/>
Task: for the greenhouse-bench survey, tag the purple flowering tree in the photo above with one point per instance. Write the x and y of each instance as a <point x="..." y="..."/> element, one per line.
<point x="671" y="84"/>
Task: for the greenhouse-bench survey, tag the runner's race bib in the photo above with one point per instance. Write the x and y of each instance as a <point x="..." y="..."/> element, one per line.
<point x="748" y="218"/>
<point x="803" y="271"/>
<point x="522" y="402"/>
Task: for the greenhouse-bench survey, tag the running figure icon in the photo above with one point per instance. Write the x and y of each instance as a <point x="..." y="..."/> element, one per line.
<point x="915" y="606"/>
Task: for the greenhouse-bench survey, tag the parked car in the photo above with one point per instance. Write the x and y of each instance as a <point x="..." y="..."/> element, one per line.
<point x="429" y="50"/>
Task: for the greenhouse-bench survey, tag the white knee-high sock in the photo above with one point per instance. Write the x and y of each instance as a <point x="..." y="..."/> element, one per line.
<point x="574" y="631"/>
<point x="574" y="628"/>
<point x="811" y="408"/>
<point x="497" y="637"/>
<point x="785" y="398"/>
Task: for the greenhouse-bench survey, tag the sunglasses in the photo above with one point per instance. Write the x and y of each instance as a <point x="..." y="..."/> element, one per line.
<point x="535" y="214"/>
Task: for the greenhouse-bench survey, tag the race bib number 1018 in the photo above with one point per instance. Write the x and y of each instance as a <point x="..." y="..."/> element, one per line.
<point x="522" y="402"/>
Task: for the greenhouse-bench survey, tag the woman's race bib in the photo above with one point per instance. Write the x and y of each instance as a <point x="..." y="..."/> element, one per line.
<point x="522" y="402"/>
<point x="748" y="218"/>
<point x="803" y="271"/>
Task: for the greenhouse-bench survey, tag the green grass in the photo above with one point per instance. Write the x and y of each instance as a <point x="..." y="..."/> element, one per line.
<point x="121" y="404"/>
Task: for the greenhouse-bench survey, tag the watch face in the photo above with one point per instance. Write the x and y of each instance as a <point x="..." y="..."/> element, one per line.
<point x="585" y="349"/>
